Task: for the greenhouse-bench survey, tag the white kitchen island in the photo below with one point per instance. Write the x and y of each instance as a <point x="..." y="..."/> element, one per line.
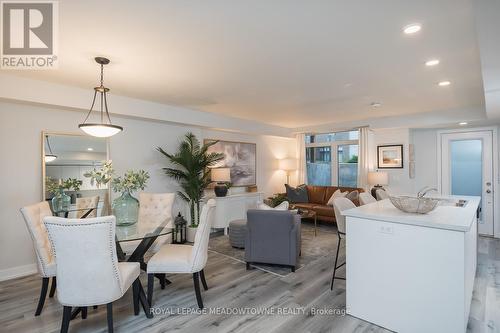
<point x="412" y="272"/>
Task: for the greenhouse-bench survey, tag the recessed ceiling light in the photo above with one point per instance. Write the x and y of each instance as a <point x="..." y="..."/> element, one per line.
<point x="412" y="28"/>
<point x="444" y="83"/>
<point x="90" y="149"/>
<point x="375" y="104"/>
<point x="432" y="62"/>
<point x="463" y="123"/>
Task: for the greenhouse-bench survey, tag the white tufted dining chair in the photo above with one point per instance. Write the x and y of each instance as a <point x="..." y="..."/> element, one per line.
<point x="177" y="258"/>
<point x="33" y="216"/>
<point x="340" y="205"/>
<point x="87" y="203"/>
<point x="155" y="208"/>
<point x="366" y="198"/>
<point x="88" y="270"/>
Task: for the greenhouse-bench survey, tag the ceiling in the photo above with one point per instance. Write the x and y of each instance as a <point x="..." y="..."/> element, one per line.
<point x="286" y="63"/>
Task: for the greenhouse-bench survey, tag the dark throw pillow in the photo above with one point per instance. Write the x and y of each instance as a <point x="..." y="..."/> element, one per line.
<point x="354" y="197"/>
<point x="297" y="194"/>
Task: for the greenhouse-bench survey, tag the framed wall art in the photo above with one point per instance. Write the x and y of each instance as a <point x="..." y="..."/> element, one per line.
<point x="240" y="158"/>
<point x="390" y="157"/>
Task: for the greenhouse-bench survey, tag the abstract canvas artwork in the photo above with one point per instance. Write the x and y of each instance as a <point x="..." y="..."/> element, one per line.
<point x="241" y="158"/>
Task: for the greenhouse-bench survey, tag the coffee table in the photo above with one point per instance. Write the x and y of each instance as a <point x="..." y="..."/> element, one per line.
<point x="309" y="214"/>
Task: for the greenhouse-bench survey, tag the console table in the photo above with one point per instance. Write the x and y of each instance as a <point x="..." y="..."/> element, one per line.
<point x="234" y="207"/>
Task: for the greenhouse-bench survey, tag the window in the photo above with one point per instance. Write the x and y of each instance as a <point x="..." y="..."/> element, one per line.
<point x="332" y="159"/>
<point x="319" y="165"/>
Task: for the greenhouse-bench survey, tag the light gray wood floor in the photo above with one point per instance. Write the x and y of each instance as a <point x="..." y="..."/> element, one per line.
<point x="232" y="286"/>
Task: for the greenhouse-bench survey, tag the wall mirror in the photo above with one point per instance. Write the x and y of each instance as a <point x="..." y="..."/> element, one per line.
<point x="65" y="159"/>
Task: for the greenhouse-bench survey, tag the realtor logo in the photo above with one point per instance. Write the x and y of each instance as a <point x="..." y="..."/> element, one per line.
<point x="29" y="35"/>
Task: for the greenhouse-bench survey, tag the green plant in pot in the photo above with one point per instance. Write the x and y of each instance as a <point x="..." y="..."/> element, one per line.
<point x="126" y="207"/>
<point x="190" y="168"/>
<point x="61" y="201"/>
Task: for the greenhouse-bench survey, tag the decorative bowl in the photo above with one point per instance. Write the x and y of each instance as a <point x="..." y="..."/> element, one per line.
<point x="414" y="205"/>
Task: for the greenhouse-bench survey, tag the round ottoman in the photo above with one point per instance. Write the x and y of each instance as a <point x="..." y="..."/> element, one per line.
<point x="237" y="233"/>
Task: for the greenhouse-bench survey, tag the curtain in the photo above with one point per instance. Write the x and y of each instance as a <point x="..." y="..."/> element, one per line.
<point x="363" y="158"/>
<point x="301" y="157"/>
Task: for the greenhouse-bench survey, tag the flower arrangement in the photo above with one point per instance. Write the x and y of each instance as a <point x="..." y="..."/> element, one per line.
<point x="125" y="207"/>
<point x="101" y="176"/>
<point x="131" y="181"/>
<point x="54" y="186"/>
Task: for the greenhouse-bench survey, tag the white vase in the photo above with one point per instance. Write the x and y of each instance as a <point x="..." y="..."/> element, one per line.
<point x="191" y="233"/>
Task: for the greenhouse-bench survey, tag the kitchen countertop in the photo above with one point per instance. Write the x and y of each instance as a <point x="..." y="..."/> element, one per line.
<point x="443" y="217"/>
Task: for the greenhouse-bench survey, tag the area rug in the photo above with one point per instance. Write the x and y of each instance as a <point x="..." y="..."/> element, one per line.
<point x="324" y="244"/>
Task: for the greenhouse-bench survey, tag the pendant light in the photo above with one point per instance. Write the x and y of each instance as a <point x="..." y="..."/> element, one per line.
<point x="104" y="128"/>
<point x="49" y="157"/>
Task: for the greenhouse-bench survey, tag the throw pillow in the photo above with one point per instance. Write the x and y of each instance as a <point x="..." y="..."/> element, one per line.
<point x="282" y="206"/>
<point x="297" y="194"/>
<point x="335" y="195"/>
<point x="354" y="197"/>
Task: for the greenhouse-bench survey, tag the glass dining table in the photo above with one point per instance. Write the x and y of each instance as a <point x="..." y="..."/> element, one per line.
<point x="74" y="212"/>
<point x="146" y="231"/>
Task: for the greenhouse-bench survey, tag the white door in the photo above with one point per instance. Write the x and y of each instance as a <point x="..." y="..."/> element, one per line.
<point x="467" y="169"/>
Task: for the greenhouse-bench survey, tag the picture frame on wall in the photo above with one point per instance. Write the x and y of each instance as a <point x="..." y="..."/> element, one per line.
<point x="240" y="158"/>
<point x="390" y="157"/>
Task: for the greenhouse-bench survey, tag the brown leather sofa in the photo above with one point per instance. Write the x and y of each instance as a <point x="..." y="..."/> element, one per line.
<point x="319" y="196"/>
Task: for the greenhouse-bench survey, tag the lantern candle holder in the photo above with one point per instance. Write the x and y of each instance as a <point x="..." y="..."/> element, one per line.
<point x="180" y="230"/>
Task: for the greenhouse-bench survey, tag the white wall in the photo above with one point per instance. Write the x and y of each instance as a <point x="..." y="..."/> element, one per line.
<point x="425" y="143"/>
<point x="21" y="171"/>
<point x="399" y="179"/>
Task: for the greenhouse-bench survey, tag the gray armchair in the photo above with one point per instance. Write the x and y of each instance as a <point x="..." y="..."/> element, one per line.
<point x="273" y="237"/>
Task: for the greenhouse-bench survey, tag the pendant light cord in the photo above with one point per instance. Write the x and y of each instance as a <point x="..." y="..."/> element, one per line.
<point x="103" y="101"/>
<point x="48" y="144"/>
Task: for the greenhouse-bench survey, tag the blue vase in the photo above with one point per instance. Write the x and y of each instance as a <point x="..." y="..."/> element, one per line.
<point x="61" y="202"/>
<point x="126" y="209"/>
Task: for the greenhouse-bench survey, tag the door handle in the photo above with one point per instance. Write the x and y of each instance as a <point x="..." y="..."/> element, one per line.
<point x="488" y="183"/>
<point x="488" y="191"/>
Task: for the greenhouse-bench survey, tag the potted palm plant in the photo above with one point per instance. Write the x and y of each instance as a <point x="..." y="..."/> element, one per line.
<point x="190" y="168"/>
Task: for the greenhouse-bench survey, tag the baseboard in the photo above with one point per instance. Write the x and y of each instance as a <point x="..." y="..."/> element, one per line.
<point x="18" y="271"/>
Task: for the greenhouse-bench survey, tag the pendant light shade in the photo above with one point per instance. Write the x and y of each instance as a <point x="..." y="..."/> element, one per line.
<point x="104" y="128"/>
<point x="50" y="158"/>
<point x="100" y="130"/>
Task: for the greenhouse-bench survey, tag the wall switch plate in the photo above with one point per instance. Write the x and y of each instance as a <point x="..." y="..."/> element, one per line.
<point x="386" y="229"/>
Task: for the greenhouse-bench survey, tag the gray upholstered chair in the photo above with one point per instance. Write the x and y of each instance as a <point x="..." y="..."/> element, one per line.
<point x="273" y="237"/>
<point x="365" y="198"/>
<point x="340" y="205"/>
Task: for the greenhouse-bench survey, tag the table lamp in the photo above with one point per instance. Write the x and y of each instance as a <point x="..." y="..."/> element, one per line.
<point x="377" y="179"/>
<point x="288" y="164"/>
<point x="221" y="176"/>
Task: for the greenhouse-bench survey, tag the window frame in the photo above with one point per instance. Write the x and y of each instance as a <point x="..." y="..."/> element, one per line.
<point x="334" y="159"/>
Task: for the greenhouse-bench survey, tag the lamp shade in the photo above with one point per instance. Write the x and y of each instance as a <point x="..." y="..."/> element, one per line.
<point x="220" y="175"/>
<point x="378" y="178"/>
<point x="288" y="164"/>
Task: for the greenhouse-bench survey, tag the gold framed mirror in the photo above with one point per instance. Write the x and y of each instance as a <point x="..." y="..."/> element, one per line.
<point x="66" y="157"/>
